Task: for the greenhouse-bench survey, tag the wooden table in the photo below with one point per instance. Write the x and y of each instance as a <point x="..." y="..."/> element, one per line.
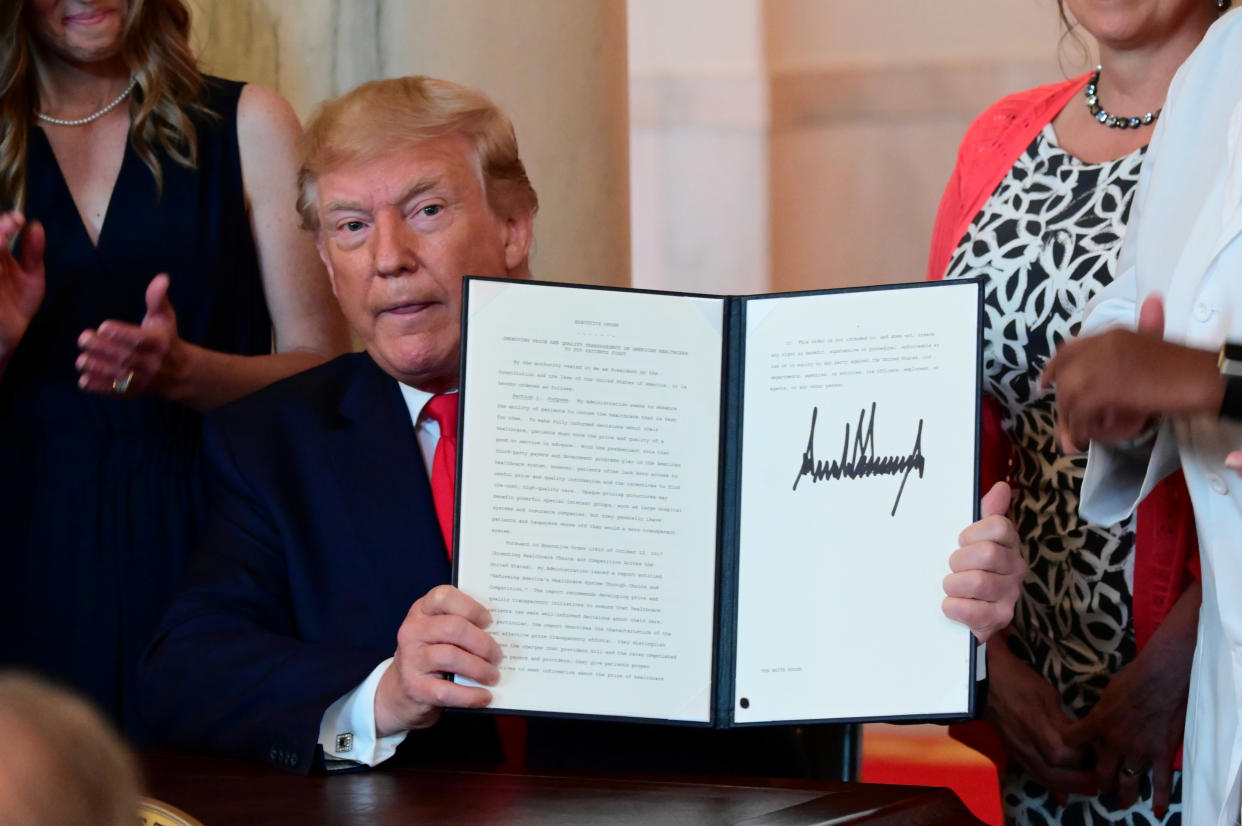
<point x="223" y="792"/>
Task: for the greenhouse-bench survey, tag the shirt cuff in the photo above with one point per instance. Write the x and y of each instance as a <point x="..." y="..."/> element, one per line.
<point x="347" y="731"/>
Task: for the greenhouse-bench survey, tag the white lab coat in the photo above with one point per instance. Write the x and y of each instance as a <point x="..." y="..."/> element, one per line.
<point x="1184" y="242"/>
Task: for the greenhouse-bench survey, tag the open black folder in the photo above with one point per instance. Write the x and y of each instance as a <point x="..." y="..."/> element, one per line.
<point x="720" y="511"/>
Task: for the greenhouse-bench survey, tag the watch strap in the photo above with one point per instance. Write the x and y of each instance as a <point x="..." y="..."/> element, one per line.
<point x="1231" y="404"/>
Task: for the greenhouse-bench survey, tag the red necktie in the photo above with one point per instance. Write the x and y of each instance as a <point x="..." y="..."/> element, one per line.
<point x="442" y="409"/>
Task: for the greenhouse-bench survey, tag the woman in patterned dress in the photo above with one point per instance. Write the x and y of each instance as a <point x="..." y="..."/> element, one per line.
<point x="1088" y="697"/>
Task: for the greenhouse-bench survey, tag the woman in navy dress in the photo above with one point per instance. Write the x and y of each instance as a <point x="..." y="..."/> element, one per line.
<point x="155" y="266"/>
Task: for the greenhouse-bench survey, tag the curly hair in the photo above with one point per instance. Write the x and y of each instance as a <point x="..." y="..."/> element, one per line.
<point x="155" y="46"/>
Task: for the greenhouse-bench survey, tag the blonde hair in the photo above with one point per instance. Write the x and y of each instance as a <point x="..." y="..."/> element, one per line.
<point x="385" y="116"/>
<point x="155" y="46"/>
<point x="59" y="760"/>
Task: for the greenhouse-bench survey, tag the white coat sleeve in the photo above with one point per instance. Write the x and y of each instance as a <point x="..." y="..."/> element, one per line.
<point x="1118" y="478"/>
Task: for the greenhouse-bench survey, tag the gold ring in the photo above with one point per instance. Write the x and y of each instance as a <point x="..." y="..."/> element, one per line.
<point x="121" y="383"/>
<point x="1129" y="772"/>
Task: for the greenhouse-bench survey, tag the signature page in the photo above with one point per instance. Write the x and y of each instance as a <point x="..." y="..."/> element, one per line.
<point x="588" y="495"/>
<point x="858" y="473"/>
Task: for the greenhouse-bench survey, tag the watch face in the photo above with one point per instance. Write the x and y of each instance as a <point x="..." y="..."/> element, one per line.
<point x="1231" y="405"/>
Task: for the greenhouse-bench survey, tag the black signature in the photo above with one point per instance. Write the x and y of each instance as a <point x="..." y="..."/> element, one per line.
<point x="862" y="461"/>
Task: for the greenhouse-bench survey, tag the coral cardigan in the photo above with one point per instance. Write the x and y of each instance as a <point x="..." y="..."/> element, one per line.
<point x="1166" y="545"/>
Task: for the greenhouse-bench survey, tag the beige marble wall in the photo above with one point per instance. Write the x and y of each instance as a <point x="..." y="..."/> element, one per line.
<point x="869" y="103"/>
<point x="699" y="145"/>
<point x="558" y="67"/>
<point x="762" y="143"/>
<point x="797" y="144"/>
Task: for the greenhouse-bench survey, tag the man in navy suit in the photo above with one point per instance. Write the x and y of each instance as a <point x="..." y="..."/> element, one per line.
<point x="316" y="623"/>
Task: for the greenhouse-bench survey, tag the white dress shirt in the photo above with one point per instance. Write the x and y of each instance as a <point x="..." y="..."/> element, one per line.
<point x="1184" y="243"/>
<point x="347" y="731"/>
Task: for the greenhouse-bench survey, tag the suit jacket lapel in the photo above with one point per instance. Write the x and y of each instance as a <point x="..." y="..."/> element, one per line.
<point x="385" y="484"/>
<point x="1231" y="206"/>
<point x="1218" y="223"/>
<point x="1205" y="238"/>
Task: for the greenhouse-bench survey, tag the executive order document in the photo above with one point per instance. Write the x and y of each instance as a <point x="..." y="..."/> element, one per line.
<point x="719" y="510"/>
<point x="589" y="495"/>
<point x="858" y="474"/>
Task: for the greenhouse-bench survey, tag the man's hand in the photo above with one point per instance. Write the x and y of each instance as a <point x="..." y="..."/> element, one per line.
<point x="1234" y="462"/>
<point x="22" y="283"/>
<point x="1024" y="711"/>
<point x="987" y="569"/>
<point x="442" y="634"/>
<point x="130" y="360"/>
<point x="1111" y="385"/>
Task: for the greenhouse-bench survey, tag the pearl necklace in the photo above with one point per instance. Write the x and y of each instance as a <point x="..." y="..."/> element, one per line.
<point x="133" y="81"/>
<point x="1104" y="118"/>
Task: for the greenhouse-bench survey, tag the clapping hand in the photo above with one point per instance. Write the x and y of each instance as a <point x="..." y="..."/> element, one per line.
<point x="22" y="282"/>
<point x="129" y="360"/>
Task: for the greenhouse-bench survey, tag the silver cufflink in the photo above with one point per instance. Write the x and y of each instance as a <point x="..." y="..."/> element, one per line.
<point x="345" y="742"/>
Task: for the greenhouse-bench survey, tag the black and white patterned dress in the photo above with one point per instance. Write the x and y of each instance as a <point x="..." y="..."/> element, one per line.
<point x="1046" y="241"/>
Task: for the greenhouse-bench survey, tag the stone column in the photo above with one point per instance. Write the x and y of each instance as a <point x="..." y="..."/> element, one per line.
<point x="804" y="144"/>
<point x="558" y="67"/>
<point x="699" y="109"/>
<point x="868" y="104"/>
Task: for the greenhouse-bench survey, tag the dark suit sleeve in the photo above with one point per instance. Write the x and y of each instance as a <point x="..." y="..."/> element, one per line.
<point x="227" y="672"/>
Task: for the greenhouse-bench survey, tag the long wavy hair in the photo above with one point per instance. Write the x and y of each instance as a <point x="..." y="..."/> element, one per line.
<point x="155" y="46"/>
